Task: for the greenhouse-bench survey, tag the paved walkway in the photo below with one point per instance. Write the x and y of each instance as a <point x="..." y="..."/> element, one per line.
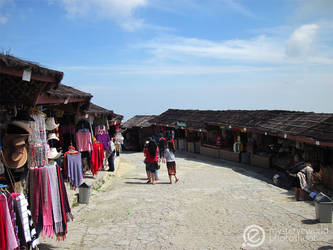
<point x="209" y="208"/>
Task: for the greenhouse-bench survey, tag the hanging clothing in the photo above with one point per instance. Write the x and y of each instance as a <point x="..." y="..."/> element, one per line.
<point x="22" y="207"/>
<point x="55" y="198"/>
<point x="46" y="204"/>
<point x="11" y="242"/>
<point x="74" y="165"/>
<point x="97" y="158"/>
<point x="10" y="203"/>
<point x="83" y="141"/>
<point x="104" y="138"/>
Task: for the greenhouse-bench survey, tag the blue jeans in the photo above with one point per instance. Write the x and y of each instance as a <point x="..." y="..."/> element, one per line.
<point x="156" y="174"/>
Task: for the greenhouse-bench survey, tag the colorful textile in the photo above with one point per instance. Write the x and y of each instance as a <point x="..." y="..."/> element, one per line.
<point x="22" y="207"/>
<point x="56" y="204"/>
<point x="46" y="205"/>
<point x="171" y="168"/>
<point x="83" y="141"/>
<point x="10" y="203"/>
<point x="97" y="157"/>
<point x="10" y="235"/>
<point x="3" y="229"/>
<point x="104" y="138"/>
<point x="74" y="165"/>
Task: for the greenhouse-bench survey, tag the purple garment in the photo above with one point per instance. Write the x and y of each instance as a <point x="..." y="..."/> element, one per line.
<point x="74" y="166"/>
<point x="104" y="139"/>
<point x="10" y="202"/>
<point x="11" y="238"/>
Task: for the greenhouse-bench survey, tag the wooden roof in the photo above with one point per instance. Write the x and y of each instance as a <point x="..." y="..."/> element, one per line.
<point x="141" y="121"/>
<point x="98" y="110"/>
<point x="13" y="90"/>
<point x="62" y="93"/>
<point x="308" y="125"/>
<point x="14" y="66"/>
<point x="117" y="117"/>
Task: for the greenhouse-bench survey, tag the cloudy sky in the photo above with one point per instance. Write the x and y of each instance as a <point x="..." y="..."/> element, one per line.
<point x="145" y="56"/>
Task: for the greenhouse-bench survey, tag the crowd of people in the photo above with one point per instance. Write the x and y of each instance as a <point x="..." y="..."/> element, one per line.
<point x="157" y="152"/>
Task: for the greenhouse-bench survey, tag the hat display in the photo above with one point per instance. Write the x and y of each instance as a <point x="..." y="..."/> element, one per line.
<point x="14" y="153"/>
<point x="53" y="154"/>
<point x="52" y="136"/>
<point x="19" y="127"/>
<point x="50" y="124"/>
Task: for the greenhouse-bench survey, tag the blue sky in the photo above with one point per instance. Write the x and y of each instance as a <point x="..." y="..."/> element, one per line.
<point x="145" y="56"/>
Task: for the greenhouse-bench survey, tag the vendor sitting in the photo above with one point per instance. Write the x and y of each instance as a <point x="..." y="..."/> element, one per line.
<point x="302" y="178"/>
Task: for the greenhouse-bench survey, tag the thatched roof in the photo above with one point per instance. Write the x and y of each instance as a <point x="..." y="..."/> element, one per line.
<point x="314" y="126"/>
<point x="98" y="110"/>
<point x="141" y="121"/>
<point x="16" y="91"/>
<point x="318" y="126"/>
<point x="19" y="64"/>
<point x="64" y="91"/>
<point x="117" y="117"/>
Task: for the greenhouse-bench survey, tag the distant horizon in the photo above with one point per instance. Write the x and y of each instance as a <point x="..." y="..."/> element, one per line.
<point x="143" y="56"/>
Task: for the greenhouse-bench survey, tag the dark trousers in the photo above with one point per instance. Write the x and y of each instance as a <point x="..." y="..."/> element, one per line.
<point x="111" y="162"/>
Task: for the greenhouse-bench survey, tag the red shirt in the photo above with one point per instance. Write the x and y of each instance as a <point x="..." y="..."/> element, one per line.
<point x="148" y="157"/>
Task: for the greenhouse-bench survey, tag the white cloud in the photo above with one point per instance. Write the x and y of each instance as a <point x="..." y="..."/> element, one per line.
<point x="294" y="48"/>
<point x="119" y="11"/>
<point x="167" y="70"/>
<point x="258" y="49"/>
<point x="301" y="42"/>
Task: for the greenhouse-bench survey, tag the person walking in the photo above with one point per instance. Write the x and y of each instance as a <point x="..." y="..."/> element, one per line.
<point x="151" y="160"/>
<point x="111" y="155"/>
<point x="171" y="161"/>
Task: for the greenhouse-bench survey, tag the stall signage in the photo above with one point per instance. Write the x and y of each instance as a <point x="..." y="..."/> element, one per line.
<point x="222" y="127"/>
<point x="181" y="124"/>
<point x="26" y="75"/>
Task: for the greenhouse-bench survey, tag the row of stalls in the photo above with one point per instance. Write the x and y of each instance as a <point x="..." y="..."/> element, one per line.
<point x="262" y="138"/>
<point x="51" y="137"/>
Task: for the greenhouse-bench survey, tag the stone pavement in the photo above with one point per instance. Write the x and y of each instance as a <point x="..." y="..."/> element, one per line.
<point x="209" y="208"/>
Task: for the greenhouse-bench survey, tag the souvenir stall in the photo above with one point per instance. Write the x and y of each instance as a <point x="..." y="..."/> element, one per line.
<point x="212" y="143"/>
<point x="136" y="131"/>
<point x="101" y="150"/>
<point x="262" y="148"/>
<point x="29" y="202"/>
<point x="193" y="138"/>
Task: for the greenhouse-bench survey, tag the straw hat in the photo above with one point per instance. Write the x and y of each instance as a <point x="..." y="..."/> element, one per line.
<point x="19" y="127"/>
<point x="15" y="153"/>
<point x="52" y="136"/>
<point x="50" y="124"/>
<point x="53" y="154"/>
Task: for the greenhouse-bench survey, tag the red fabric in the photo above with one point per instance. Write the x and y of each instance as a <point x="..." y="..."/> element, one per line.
<point x="97" y="157"/>
<point x="148" y="156"/>
<point x="3" y="231"/>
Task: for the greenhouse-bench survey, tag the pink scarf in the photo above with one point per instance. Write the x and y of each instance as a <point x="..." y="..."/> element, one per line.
<point x="46" y="205"/>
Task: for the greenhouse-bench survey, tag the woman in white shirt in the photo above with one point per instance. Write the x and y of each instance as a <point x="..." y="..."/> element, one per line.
<point x="169" y="155"/>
